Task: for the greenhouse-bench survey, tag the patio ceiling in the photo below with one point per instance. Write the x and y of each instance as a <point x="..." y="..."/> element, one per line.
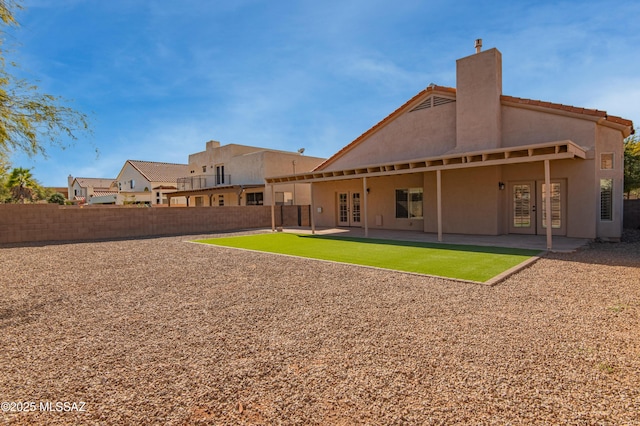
<point x="558" y="150"/>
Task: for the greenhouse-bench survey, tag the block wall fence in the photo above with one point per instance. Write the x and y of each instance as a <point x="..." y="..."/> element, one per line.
<point x="49" y="222"/>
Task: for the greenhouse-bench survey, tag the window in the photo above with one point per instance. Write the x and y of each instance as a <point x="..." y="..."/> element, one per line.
<point x="606" y="199"/>
<point x="255" y="198"/>
<point x="606" y="161"/>
<point x="521" y="206"/>
<point x="204" y="169"/>
<point x="221" y="200"/>
<point x="355" y="207"/>
<point x="409" y="203"/>
<point x="220" y="174"/>
<point x="133" y="183"/>
<point x="556" y="213"/>
<point x="284" y="198"/>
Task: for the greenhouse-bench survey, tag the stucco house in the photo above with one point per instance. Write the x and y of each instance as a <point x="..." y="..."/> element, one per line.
<point x="471" y="160"/>
<point x="234" y="175"/>
<point x="148" y="182"/>
<point x="83" y="190"/>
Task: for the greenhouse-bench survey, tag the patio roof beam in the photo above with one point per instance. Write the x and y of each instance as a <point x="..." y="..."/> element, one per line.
<point x="526" y="154"/>
<point x="518" y="160"/>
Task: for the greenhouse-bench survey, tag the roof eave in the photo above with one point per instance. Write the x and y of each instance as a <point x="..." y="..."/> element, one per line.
<point x="601" y="117"/>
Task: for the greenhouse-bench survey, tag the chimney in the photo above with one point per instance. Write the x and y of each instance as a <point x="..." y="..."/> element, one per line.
<point x="70" y="187"/>
<point x="478" y="108"/>
<point x="478" y="45"/>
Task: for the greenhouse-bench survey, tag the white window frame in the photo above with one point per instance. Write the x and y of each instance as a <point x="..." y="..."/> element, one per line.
<point x="609" y="210"/>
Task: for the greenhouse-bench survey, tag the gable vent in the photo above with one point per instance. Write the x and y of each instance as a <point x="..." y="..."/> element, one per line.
<point x="432" y="101"/>
<point x="437" y="101"/>
<point x="423" y="105"/>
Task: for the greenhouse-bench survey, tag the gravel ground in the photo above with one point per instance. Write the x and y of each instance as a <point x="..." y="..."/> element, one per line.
<point x="161" y="331"/>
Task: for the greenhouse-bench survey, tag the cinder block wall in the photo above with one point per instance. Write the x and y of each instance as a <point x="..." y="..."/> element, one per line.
<point x="48" y="222"/>
<point x="293" y="215"/>
<point x="631" y="214"/>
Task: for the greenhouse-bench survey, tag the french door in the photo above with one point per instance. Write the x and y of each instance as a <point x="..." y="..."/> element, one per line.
<point x="349" y="209"/>
<point x="527" y="209"/>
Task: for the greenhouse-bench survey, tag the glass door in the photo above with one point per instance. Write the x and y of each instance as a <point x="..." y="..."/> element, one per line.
<point x="522" y="218"/>
<point x="349" y="209"/>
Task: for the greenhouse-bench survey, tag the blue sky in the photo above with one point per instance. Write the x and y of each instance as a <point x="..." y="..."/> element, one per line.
<point x="159" y="78"/>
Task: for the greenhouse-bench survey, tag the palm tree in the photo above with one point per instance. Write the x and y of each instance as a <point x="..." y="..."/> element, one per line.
<point x="22" y="184"/>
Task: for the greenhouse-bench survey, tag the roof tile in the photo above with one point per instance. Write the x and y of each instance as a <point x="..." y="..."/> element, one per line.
<point x="160" y="172"/>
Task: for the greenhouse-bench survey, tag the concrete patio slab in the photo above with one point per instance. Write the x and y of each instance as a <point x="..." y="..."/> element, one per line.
<point x="533" y="242"/>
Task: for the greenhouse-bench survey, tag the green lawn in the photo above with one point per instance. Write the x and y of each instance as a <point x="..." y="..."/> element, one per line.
<point x="473" y="263"/>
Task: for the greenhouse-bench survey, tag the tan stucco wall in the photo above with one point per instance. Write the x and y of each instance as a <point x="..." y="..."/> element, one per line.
<point x="418" y="134"/>
<point x="608" y="141"/>
<point x="581" y="209"/>
<point x="470" y="201"/>
<point x="325" y="198"/>
<point x="246" y="169"/>
<point x="522" y="126"/>
<point x="381" y="201"/>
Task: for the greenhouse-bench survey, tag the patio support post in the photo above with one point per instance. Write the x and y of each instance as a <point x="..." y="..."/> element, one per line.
<point x="273" y="208"/>
<point x="547" y="207"/>
<point x="364" y="209"/>
<point x="313" y="211"/>
<point x="439" y="202"/>
<point x="168" y="200"/>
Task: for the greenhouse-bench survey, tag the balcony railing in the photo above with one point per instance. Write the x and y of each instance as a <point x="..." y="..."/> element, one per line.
<point x="202" y="182"/>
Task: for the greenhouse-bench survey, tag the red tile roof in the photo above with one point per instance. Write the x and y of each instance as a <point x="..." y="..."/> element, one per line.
<point x="568" y="108"/>
<point x="451" y="90"/>
<point x="94" y="182"/>
<point x="104" y="193"/>
<point x="160" y="172"/>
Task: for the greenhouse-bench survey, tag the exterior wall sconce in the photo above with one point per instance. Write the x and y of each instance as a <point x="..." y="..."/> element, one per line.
<point x="368" y="190"/>
<point x="501" y="186"/>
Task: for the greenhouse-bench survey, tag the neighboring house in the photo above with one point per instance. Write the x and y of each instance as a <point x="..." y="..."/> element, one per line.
<point x="233" y="175"/>
<point x="148" y="182"/>
<point x="64" y="190"/>
<point x="83" y="190"/>
<point x="470" y="160"/>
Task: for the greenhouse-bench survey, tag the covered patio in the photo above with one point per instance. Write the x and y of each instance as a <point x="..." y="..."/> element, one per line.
<point x="537" y="153"/>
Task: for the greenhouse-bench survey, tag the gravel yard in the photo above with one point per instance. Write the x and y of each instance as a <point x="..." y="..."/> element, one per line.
<point x="161" y="331"/>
